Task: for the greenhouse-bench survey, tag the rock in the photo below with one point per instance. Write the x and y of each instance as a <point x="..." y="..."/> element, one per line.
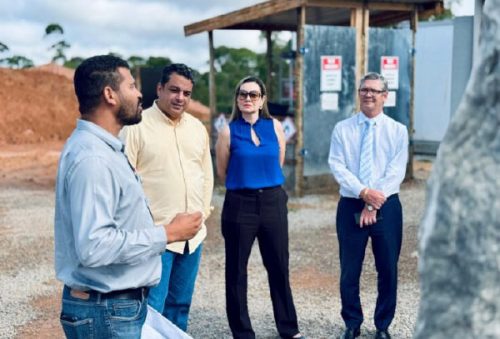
<point x="460" y="233"/>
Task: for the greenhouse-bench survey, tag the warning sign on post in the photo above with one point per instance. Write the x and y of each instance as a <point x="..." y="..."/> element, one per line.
<point x="331" y="73"/>
<point x="389" y="68"/>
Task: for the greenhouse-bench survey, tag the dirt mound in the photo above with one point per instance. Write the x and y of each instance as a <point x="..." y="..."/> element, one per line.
<point x="35" y="106"/>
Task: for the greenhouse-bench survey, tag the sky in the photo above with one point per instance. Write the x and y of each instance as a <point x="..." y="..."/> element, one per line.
<point x="128" y="27"/>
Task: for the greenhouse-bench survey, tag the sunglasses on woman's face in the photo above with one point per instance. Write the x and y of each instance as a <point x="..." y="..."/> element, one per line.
<point x="254" y="95"/>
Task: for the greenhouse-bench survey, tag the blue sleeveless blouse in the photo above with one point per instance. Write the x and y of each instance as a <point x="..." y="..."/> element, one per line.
<point x="251" y="166"/>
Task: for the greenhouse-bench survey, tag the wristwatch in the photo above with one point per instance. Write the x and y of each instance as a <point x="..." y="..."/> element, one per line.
<point x="369" y="208"/>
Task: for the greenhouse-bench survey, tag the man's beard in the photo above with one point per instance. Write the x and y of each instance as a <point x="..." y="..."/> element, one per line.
<point x="128" y="115"/>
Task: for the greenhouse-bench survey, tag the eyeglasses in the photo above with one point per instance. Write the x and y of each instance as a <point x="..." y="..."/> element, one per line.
<point x="254" y="95"/>
<point x="365" y="91"/>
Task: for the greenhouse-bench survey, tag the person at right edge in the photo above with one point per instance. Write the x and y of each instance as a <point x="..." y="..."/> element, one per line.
<point x="250" y="153"/>
<point x="368" y="156"/>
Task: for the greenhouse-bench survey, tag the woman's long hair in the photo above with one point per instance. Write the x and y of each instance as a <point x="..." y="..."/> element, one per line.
<point x="263" y="113"/>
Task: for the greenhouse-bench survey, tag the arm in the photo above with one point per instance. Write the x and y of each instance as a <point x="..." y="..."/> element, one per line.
<point x="94" y="195"/>
<point x="208" y="185"/>
<point x="396" y="168"/>
<point x="338" y="166"/>
<point x="222" y="152"/>
<point x="280" y="134"/>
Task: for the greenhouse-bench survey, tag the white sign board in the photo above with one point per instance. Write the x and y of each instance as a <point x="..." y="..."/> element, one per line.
<point x="331" y="73"/>
<point x="391" y="99"/>
<point x="329" y="101"/>
<point x="389" y="68"/>
<point x="288" y="128"/>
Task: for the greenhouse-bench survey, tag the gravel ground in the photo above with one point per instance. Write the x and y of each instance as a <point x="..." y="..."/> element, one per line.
<point x="27" y="275"/>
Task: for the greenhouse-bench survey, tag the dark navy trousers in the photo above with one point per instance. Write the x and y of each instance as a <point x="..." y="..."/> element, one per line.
<point x="386" y="237"/>
<point x="261" y="214"/>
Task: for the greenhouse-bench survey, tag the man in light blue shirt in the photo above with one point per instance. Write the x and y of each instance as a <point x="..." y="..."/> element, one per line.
<point x="368" y="156"/>
<point x="107" y="248"/>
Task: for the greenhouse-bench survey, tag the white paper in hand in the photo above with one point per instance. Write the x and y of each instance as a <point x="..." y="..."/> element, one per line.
<point x="157" y="326"/>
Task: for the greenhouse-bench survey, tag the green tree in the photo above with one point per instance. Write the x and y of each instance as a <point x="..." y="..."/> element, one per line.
<point x="74" y="62"/>
<point x="3" y="47"/>
<point x="53" y="29"/>
<point x="157" y="62"/>
<point x="18" y="62"/>
<point x="136" y="61"/>
<point x="59" y="47"/>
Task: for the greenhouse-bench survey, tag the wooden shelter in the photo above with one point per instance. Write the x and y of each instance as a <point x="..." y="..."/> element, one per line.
<point x="293" y="15"/>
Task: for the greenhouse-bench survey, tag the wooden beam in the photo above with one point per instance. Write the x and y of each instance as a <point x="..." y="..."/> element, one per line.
<point x="411" y="124"/>
<point x="299" y="102"/>
<point x="390" y="6"/>
<point x="243" y="15"/>
<point x="360" y="20"/>
<point x="212" y="90"/>
<point x="269" y="61"/>
<point x="345" y="4"/>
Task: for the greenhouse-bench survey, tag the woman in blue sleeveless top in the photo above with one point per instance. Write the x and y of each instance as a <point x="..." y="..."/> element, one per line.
<point x="250" y="152"/>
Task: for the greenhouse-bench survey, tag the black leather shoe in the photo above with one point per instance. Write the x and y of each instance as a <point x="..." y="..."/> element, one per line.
<point x="351" y="333"/>
<point x="382" y="334"/>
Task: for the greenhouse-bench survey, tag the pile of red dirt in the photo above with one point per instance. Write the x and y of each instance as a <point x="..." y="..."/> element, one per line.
<point x="39" y="105"/>
<point x="36" y="106"/>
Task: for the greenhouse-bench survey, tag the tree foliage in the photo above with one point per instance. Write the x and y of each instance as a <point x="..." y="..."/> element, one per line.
<point x="157" y="61"/>
<point x="74" y="62"/>
<point x="3" y="47"/>
<point x="59" y="47"/>
<point x="53" y="28"/>
<point x="18" y="62"/>
<point x="233" y="64"/>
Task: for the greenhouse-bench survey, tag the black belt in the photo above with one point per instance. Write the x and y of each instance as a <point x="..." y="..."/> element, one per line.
<point x="132" y="293"/>
<point x="254" y="190"/>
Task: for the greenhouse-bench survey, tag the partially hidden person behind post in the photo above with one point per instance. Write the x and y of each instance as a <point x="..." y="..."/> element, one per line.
<point x="107" y="247"/>
<point x="250" y="153"/>
<point x="170" y="150"/>
<point x="368" y="156"/>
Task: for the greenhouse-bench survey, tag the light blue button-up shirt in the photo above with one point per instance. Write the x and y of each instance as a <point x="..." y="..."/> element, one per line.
<point x="105" y="238"/>
<point x="389" y="158"/>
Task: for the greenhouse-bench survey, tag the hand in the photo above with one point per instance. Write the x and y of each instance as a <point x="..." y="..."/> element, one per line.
<point x="183" y="226"/>
<point x="367" y="218"/>
<point x="374" y="198"/>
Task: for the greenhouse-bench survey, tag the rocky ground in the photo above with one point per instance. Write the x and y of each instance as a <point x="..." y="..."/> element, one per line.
<point x="29" y="302"/>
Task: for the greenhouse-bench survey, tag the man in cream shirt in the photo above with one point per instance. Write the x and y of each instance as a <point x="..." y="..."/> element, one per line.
<point x="170" y="151"/>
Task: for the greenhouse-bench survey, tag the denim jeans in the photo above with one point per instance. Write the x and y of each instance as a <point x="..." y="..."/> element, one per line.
<point x="102" y="318"/>
<point x="172" y="296"/>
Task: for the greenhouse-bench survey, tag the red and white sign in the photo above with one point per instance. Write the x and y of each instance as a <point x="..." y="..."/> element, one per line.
<point x="331" y="73"/>
<point x="389" y="68"/>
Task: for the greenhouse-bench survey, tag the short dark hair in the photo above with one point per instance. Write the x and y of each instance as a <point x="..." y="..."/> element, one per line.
<point x="92" y="76"/>
<point x="236" y="113"/>
<point x="180" y="69"/>
<point x="375" y="76"/>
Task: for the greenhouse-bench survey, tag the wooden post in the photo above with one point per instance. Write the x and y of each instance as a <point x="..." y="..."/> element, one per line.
<point x="299" y="102"/>
<point x="360" y="20"/>
<point x="212" y="88"/>
<point x="269" y="61"/>
<point x="411" y="144"/>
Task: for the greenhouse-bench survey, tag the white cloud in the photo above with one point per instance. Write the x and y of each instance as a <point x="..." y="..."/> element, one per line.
<point x="128" y="27"/>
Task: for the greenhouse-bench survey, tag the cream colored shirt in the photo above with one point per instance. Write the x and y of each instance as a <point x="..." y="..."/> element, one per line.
<point x="175" y="166"/>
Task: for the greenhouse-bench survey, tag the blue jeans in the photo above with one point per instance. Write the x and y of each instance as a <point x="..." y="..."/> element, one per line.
<point x="102" y="318"/>
<point x="172" y="296"/>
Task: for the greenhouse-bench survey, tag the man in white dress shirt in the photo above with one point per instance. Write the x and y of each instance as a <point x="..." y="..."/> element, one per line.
<point x="368" y="156"/>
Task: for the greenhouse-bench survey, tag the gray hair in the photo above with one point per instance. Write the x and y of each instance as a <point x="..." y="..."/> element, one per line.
<point x="374" y="76"/>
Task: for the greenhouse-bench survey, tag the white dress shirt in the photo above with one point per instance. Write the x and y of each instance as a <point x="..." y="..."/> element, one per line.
<point x="389" y="158"/>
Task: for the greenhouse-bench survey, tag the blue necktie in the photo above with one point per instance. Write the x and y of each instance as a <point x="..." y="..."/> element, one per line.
<point x="366" y="156"/>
